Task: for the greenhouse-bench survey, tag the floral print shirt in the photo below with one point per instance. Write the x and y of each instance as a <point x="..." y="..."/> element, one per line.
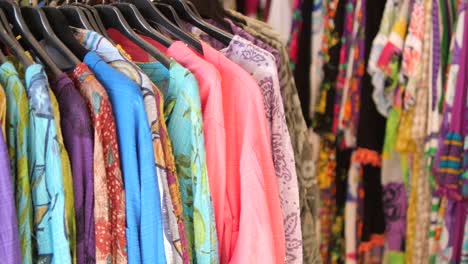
<point x="109" y="195"/>
<point x="46" y="172"/>
<point x="182" y="110"/>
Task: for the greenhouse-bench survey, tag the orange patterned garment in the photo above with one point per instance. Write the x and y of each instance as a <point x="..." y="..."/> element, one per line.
<point x="109" y="194"/>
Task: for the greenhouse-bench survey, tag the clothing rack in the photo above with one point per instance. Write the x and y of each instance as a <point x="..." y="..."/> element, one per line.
<point x="146" y="131"/>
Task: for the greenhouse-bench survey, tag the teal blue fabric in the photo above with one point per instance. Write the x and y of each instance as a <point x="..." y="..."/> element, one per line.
<point x="45" y="172"/>
<point x="143" y="209"/>
<point x="183" y="115"/>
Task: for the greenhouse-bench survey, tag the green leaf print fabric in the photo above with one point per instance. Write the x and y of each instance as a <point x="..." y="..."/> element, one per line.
<point x="183" y="115"/>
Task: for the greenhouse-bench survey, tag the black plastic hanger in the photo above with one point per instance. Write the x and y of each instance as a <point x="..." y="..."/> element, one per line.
<point x="89" y="16"/>
<point x="3" y="58"/>
<point x="6" y="24"/>
<point x="210" y="9"/>
<point x="155" y="17"/>
<point x="13" y="12"/>
<point x="217" y="16"/>
<point x="186" y="13"/>
<point x="76" y="17"/>
<point x="40" y="26"/>
<point x="12" y="44"/>
<point x="171" y="13"/>
<point x="113" y="18"/>
<point x="62" y="30"/>
<point x="136" y="20"/>
<point x="94" y="13"/>
<point x="194" y="9"/>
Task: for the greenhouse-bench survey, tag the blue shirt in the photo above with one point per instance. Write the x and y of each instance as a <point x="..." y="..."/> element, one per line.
<point x="144" y="223"/>
<point x="46" y="170"/>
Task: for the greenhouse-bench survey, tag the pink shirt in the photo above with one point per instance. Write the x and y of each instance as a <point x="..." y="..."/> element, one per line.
<point x="256" y="230"/>
<point x="247" y="207"/>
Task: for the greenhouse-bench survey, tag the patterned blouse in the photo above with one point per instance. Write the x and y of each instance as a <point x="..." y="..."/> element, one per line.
<point x="109" y="195"/>
<point x="44" y="159"/>
<point x="182" y="110"/>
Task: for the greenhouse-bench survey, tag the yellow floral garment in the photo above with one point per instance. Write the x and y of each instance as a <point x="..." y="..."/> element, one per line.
<point x="17" y="119"/>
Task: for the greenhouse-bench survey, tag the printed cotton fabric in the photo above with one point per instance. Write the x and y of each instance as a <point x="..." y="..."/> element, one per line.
<point x="17" y="132"/>
<point x="46" y="172"/>
<point x="145" y="240"/>
<point x="185" y="126"/>
<point x="109" y="194"/>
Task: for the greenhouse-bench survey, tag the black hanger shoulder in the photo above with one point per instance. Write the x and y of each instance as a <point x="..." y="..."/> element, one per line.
<point x="62" y="30"/>
<point x="155" y="17"/>
<point x="138" y="22"/>
<point x="170" y="13"/>
<point x="93" y="15"/>
<point x="76" y="17"/>
<point x="38" y="23"/>
<point x="89" y="16"/>
<point x="113" y="18"/>
<point x="6" y="24"/>
<point x="186" y="13"/>
<point x="9" y="41"/>
<point x="209" y="9"/>
<point x="13" y="13"/>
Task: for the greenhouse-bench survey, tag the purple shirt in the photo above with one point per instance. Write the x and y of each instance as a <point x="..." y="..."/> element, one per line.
<point x="78" y="139"/>
<point x="9" y="243"/>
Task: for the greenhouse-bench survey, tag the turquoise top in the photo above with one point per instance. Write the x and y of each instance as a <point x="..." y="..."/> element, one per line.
<point x="45" y="167"/>
<point x="183" y="115"/>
